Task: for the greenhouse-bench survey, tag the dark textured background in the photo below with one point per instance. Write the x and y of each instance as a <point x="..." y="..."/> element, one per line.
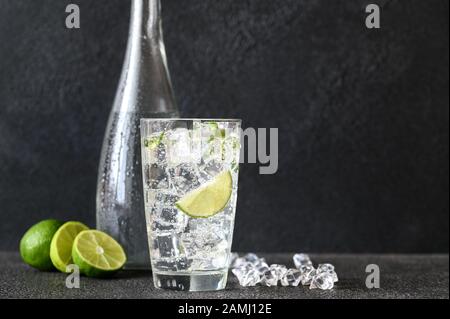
<point x="363" y="114"/>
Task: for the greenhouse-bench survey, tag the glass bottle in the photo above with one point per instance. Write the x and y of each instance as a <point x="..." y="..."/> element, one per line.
<point x="144" y="90"/>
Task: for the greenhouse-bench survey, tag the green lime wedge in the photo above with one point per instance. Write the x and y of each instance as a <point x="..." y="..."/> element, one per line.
<point x="61" y="245"/>
<point x="209" y="199"/>
<point x="97" y="254"/>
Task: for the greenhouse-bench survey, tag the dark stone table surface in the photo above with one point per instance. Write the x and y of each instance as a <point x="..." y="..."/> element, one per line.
<point x="402" y="276"/>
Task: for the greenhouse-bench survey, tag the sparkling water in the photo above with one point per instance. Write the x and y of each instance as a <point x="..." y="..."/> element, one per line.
<point x="178" y="157"/>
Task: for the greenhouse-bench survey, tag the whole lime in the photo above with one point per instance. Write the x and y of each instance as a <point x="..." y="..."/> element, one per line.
<point x="35" y="244"/>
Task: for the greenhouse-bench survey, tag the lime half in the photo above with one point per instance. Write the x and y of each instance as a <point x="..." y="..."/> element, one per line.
<point x="61" y="246"/>
<point x="209" y="199"/>
<point x="97" y="254"/>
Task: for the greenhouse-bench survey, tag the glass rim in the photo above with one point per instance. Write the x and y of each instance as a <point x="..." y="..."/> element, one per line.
<point x="191" y="119"/>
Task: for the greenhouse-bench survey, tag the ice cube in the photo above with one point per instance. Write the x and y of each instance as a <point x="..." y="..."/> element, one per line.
<point x="251" y="257"/>
<point x="206" y="130"/>
<point x="239" y="273"/>
<point x="247" y="277"/>
<point x="260" y="263"/>
<point x="308" y="272"/>
<point x="178" y="146"/>
<point x="166" y="215"/>
<point x="164" y="219"/>
<point x="206" y="257"/>
<point x="278" y="270"/>
<point x="164" y="199"/>
<point x="219" y="143"/>
<point x="269" y="278"/>
<point x="207" y="233"/>
<point x="156" y="177"/>
<point x="230" y="148"/>
<point x="245" y="266"/>
<point x="154" y="148"/>
<point x="238" y="262"/>
<point x="184" y="177"/>
<point x="323" y="280"/>
<point x="328" y="268"/>
<point x="325" y="268"/>
<point x="252" y="278"/>
<point x="166" y="245"/>
<point x="220" y="256"/>
<point x="261" y="267"/>
<point x="210" y="169"/>
<point x="306" y="268"/>
<point x="292" y="277"/>
<point x="206" y="244"/>
<point x="214" y="146"/>
<point x="254" y="259"/>
<point x="301" y="259"/>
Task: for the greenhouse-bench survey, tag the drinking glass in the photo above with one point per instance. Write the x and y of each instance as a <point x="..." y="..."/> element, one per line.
<point x="190" y="174"/>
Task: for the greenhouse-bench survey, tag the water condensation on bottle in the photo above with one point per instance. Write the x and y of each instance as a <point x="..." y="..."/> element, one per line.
<point x="120" y="211"/>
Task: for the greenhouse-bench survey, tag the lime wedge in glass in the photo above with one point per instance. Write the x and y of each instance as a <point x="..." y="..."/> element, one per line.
<point x="61" y="245"/>
<point x="209" y="199"/>
<point x="97" y="254"/>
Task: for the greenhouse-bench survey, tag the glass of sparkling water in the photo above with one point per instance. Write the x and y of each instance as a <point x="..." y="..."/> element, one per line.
<point x="190" y="172"/>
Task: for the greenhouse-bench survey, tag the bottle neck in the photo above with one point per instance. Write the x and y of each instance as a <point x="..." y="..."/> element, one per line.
<point x="145" y="76"/>
<point x="146" y="20"/>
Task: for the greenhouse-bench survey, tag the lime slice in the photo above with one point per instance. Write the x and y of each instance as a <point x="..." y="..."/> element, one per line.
<point x="35" y="244"/>
<point x="97" y="254"/>
<point x="61" y="245"/>
<point x="209" y="199"/>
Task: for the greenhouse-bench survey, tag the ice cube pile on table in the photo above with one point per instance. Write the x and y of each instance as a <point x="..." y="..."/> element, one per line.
<point x="251" y="270"/>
